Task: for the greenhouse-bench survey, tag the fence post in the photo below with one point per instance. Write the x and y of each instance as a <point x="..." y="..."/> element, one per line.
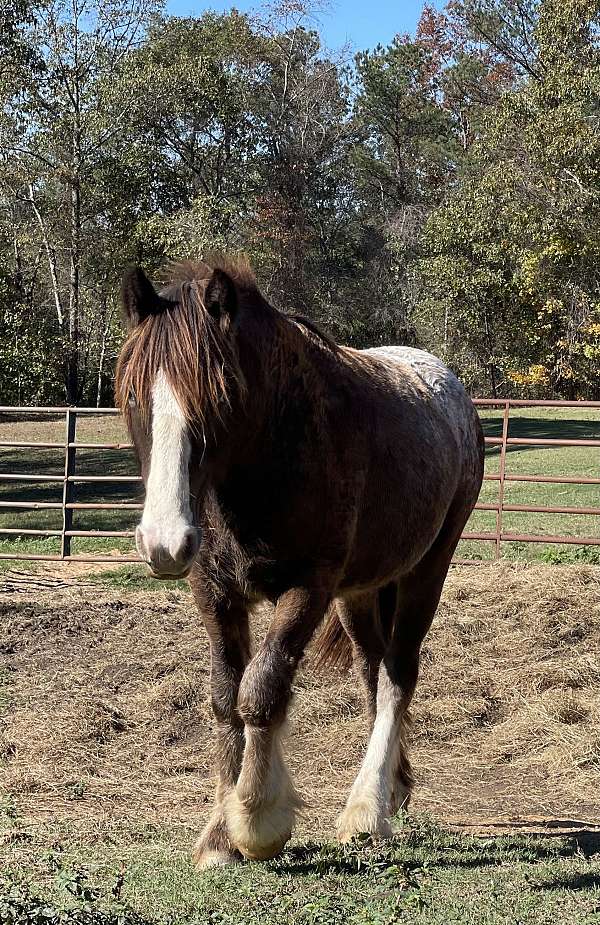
<point x="501" y="480"/>
<point x="68" y="486"/>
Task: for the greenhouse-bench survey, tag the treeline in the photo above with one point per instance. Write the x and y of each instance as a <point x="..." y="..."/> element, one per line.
<point x="443" y="191"/>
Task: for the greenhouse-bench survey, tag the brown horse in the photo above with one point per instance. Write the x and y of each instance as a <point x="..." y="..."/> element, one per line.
<point x="280" y="466"/>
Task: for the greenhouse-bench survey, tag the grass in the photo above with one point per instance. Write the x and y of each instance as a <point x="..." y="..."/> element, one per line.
<point x="544" y="423"/>
<point x="134" y="578"/>
<point x="426" y="876"/>
<point x="530" y="422"/>
<point x="50" y="428"/>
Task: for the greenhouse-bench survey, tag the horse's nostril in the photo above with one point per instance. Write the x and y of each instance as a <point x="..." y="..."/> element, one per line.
<point x="189" y="547"/>
<point x="167" y="556"/>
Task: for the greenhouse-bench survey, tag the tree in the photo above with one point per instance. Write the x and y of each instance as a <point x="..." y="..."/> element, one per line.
<point x="193" y="133"/>
<point x="441" y="191"/>
<point x="302" y="113"/>
<point x="504" y="29"/>
<point x="56" y="138"/>
<point x="510" y="266"/>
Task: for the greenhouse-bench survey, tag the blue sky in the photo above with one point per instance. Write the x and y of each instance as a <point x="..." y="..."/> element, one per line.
<point x="362" y="23"/>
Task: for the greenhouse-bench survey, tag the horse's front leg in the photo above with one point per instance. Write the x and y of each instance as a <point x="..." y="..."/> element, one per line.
<point x="261" y="811"/>
<point x="226" y="622"/>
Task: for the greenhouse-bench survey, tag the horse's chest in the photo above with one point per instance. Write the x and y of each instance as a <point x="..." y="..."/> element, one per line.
<point x="275" y="507"/>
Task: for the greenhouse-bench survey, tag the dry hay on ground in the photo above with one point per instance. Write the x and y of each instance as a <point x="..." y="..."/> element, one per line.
<point x="105" y="716"/>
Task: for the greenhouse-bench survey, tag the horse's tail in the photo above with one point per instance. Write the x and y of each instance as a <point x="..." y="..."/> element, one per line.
<point x="332" y="648"/>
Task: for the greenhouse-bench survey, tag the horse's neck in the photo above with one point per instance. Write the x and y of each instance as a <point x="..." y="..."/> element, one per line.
<point x="285" y="385"/>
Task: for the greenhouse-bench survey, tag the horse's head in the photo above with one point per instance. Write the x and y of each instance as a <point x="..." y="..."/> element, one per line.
<point x="178" y="377"/>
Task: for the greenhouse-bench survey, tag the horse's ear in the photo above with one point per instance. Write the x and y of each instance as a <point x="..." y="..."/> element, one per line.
<point x="220" y="297"/>
<point x="139" y="297"/>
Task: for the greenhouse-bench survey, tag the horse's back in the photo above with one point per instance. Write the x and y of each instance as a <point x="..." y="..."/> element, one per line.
<point x="425" y="453"/>
<point x="427" y="372"/>
<point x="441" y="392"/>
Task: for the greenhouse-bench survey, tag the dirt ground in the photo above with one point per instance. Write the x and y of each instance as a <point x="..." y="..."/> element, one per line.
<point x="105" y="715"/>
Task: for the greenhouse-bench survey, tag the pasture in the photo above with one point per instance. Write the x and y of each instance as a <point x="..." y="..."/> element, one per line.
<point x="106" y="763"/>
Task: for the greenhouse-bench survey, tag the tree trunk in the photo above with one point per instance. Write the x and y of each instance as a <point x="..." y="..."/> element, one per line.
<point x="72" y="371"/>
<point x="72" y="359"/>
<point x="102" y="359"/>
<point x="490" y="345"/>
<point x="51" y="257"/>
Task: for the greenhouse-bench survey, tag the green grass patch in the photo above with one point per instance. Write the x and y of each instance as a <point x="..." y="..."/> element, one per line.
<point x="571" y="555"/>
<point x="135" y="578"/>
<point x="542" y="423"/>
<point x="22" y="546"/>
<point x="428" y="876"/>
<point x="93" y="429"/>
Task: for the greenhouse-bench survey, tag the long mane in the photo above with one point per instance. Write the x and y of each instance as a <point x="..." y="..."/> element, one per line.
<point x="194" y="353"/>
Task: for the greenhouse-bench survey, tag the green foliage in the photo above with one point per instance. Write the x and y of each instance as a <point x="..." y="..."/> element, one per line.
<point x="515" y="247"/>
<point x="440" y="191"/>
<point x="18" y="906"/>
<point x="134" y="578"/>
<point x="409" y="150"/>
<point x="572" y="555"/>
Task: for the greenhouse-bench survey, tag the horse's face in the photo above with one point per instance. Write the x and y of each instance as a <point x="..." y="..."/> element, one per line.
<point x="170" y="449"/>
<point x="167" y="537"/>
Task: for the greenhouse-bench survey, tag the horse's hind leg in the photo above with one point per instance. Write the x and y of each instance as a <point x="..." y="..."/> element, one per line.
<point x="384" y="781"/>
<point x="367" y="620"/>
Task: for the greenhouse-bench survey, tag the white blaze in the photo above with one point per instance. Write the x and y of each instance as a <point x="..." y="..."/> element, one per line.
<point x="167" y="514"/>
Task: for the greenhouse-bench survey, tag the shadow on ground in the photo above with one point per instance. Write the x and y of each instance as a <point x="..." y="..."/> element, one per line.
<point x="542" y="429"/>
<point x="445" y="851"/>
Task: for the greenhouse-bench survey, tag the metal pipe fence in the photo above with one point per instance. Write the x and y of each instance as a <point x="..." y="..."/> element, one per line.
<point x="70" y="479"/>
<point x="499" y="535"/>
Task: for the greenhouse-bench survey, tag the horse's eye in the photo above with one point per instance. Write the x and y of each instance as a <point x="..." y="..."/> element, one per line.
<point x="132" y="400"/>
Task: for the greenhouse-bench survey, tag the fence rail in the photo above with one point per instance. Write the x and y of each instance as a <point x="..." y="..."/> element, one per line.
<point x="499" y="536"/>
<point x="70" y="479"/>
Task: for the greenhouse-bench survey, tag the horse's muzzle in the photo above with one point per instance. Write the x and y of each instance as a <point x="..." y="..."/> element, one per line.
<point x="170" y="561"/>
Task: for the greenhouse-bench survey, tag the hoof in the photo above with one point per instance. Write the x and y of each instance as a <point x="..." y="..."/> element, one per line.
<point x="213" y="848"/>
<point x="204" y="860"/>
<point x="363" y="817"/>
<point x="261" y="832"/>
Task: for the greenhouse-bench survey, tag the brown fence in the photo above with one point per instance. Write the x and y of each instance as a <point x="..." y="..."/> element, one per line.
<point x="499" y="535"/>
<point x="69" y="479"/>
